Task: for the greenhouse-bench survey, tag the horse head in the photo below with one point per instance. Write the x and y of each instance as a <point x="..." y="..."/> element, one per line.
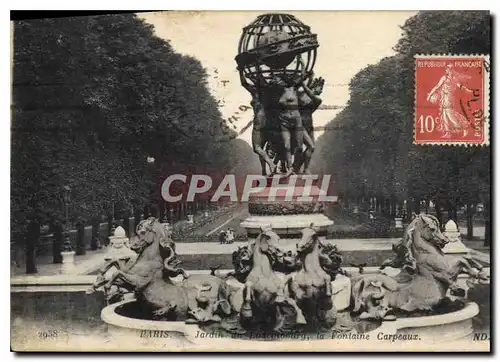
<point x="423" y="232"/>
<point x="149" y="232"/>
<point x="428" y="228"/>
<point x="308" y="241"/>
<point x="266" y="241"/>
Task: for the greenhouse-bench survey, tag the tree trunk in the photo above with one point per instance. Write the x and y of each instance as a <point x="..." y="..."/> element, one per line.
<point x="171" y="214"/>
<point x="32" y="240"/>
<point x="111" y="229"/>
<point x="126" y="223"/>
<point x="470" y="221"/>
<point x="137" y="216"/>
<point x="94" y="243"/>
<point x="409" y="211"/>
<point x="439" y="213"/>
<point x="80" y="246"/>
<point x="452" y="213"/>
<point x="416" y="205"/>
<point x="163" y="216"/>
<point x="487" y="230"/>
<point x="57" y="243"/>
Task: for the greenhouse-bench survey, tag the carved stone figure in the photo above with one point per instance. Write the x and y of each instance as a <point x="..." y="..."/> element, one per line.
<point x="261" y="135"/>
<point x="264" y="300"/>
<point x="311" y="285"/>
<point x="149" y="276"/>
<point x="309" y="102"/>
<point x="279" y="109"/>
<point x="266" y="54"/>
<point x="242" y="262"/>
<point x="429" y="273"/>
<point x="119" y="256"/>
<point x="281" y="104"/>
<point x="330" y="260"/>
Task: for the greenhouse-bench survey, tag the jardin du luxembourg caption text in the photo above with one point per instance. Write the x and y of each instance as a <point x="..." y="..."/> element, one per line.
<point x="353" y="336"/>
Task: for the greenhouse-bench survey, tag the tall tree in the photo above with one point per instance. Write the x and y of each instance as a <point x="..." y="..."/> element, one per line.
<point x="371" y="152"/>
<point x="93" y="98"/>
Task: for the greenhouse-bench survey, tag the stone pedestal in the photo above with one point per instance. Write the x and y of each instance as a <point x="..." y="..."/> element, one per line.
<point x="68" y="262"/>
<point x="287" y="210"/>
<point x="68" y="257"/>
<point x="398" y="223"/>
<point x="131" y="226"/>
<point x="118" y="249"/>
<point x="118" y="245"/>
<point x="455" y="246"/>
<point x="286" y="225"/>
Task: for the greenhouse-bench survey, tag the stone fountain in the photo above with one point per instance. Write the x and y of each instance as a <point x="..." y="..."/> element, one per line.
<point x="277" y="293"/>
<point x="288" y="281"/>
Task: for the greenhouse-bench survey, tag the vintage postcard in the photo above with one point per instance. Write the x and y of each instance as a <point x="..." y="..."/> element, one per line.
<point x="251" y="181"/>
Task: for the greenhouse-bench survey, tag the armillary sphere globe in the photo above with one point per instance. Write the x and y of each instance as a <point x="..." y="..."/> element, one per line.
<point x="270" y="45"/>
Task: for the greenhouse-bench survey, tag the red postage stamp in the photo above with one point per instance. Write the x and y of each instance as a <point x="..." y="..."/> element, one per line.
<point x="451" y="100"/>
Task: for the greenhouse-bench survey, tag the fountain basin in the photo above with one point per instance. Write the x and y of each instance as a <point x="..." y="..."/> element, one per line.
<point x="415" y="331"/>
<point x="438" y="328"/>
<point x="120" y="326"/>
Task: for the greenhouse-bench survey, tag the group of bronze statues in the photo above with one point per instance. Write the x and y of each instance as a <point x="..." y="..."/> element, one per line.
<point x="274" y="289"/>
<point x="266" y="301"/>
<point x="283" y="135"/>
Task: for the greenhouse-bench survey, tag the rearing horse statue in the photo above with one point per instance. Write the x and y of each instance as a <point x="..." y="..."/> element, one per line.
<point x="156" y="252"/>
<point x="431" y="273"/>
<point x="263" y="292"/>
<point x="311" y="286"/>
<point x="196" y="298"/>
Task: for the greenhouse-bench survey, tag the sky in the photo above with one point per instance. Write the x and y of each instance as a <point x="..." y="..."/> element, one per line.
<point x="349" y="41"/>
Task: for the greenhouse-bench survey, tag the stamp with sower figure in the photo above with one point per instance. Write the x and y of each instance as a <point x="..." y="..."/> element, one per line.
<point x="451" y="99"/>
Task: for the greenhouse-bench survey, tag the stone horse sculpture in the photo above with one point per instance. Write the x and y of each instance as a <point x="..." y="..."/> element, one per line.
<point x="311" y="286"/>
<point x="136" y="271"/>
<point x="429" y="274"/>
<point x="150" y="278"/>
<point x="265" y="305"/>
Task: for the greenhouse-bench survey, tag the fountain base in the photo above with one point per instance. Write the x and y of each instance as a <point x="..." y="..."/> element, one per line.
<point x="420" y="331"/>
